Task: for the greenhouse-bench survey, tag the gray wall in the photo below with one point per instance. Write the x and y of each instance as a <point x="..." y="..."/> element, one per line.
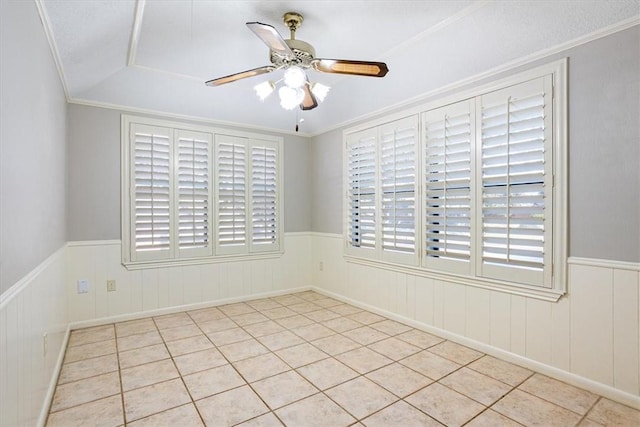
<point x="32" y="145"/>
<point x="604" y="151"/>
<point x="94" y="175"/>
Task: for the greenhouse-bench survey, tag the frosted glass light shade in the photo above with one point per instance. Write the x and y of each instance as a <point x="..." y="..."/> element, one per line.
<point x="264" y="89"/>
<point x="290" y="98"/>
<point x="295" y="77"/>
<point x="320" y="91"/>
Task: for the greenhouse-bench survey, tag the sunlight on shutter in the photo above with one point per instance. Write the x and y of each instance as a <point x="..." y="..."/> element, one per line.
<point x="232" y="204"/>
<point x="361" y="175"/>
<point x="263" y="194"/>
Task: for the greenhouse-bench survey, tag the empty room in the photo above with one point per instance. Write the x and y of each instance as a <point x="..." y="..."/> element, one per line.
<point x="319" y="213"/>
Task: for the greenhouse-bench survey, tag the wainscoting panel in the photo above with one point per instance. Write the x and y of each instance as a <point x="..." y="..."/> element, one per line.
<point x="29" y="310"/>
<point x="140" y="291"/>
<point x="589" y="337"/>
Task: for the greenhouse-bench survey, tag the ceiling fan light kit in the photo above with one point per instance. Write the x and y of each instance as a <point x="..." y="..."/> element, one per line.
<point x="294" y="57"/>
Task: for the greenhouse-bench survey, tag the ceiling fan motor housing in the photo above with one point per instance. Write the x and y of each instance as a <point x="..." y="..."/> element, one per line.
<point x="303" y="52"/>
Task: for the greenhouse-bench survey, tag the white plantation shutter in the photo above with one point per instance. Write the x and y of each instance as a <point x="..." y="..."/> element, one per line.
<point x="398" y="189"/>
<point x="150" y="192"/>
<point x="193" y="193"/>
<point x="264" y="196"/>
<point x="361" y="189"/>
<point x="231" y="201"/>
<point x="516" y="179"/>
<point x="448" y="138"/>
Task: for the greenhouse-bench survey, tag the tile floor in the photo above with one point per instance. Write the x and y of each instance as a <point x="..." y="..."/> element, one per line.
<point x="302" y="360"/>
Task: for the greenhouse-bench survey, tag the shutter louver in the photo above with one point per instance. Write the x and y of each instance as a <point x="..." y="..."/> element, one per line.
<point x="231" y="157"/>
<point x="193" y="188"/>
<point x="514" y="178"/>
<point x="151" y="192"/>
<point x="361" y="175"/>
<point x="398" y="184"/>
<point x="448" y="141"/>
<point x="264" y="169"/>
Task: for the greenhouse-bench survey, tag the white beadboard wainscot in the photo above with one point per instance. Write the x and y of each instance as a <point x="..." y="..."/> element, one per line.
<point x="32" y="308"/>
<point x="166" y="289"/>
<point x="590" y="337"/>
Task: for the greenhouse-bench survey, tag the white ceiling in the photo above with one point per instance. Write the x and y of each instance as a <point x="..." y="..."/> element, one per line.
<point x="156" y="54"/>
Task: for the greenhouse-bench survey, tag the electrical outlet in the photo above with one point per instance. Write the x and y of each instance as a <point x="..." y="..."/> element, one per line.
<point x="321" y="265"/>
<point x="45" y="344"/>
<point x="83" y="286"/>
<point x="111" y="285"/>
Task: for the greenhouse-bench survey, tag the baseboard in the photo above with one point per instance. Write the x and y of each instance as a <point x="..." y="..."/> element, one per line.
<point x="53" y="381"/>
<point x="553" y="372"/>
<point x="179" y="308"/>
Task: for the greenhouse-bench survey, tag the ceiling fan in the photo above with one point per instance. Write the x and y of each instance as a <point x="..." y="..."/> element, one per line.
<point x="296" y="56"/>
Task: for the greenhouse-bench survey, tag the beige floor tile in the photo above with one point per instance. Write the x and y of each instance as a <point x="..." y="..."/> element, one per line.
<point x="105" y="412"/>
<point x="264" y="304"/>
<point x="390" y="327"/>
<point x="217" y="325"/>
<point x="533" y="411"/>
<point x="612" y="413"/>
<point x="236" y="309"/>
<point x="140" y="356"/>
<point x="259" y="367"/>
<point x="315" y="411"/>
<point x="282" y="389"/>
<point x="365" y="317"/>
<point x="231" y="407"/>
<point x="394" y="348"/>
<point x="139" y="340"/>
<point x="288" y="299"/>
<point x="342" y="324"/>
<point x="502" y="371"/>
<point x="183" y="416"/>
<point x="399" y="379"/>
<point x="304" y="307"/>
<point x="310" y="295"/>
<point x="229" y="336"/>
<point x="173" y="320"/>
<point x="445" y="405"/>
<point x="133" y="327"/>
<point x="327" y="373"/>
<point x="363" y="360"/>
<point x="199" y="361"/>
<point x="87" y="390"/>
<point x="88" y="368"/>
<point x="455" y="352"/>
<point x="91" y="335"/>
<point x="327" y="302"/>
<point x="475" y="385"/>
<point x="88" y="351"/>
<point x="361" y="397"/>
<point x="279" y="313"/>
<point x="491" y="418"/>
<point x="429" y="364"/>
<point x="586" y="422"/>
<point x="322" y="315"/>
<point x="301" y="354"/>
<point x="180" y="332"/>
<point x="335" y="344"/>
<point x="206" y="314"/>
<point x="419" y="338"/>
<point x="264" y="328"/>
<point x="249" y="318"/>
<point x="243" y="350"/>
<point x="145" y="401"/>
<point x="294" y="321"/>
<point x="266" y="420"/>
<point x="313" y="332"/>
<point x="400" y="414"/>
<point x="189" y="345"/>
<point x="147" y="374"/>
<point x="280" y="340"/>
<point x="345" y="309"/>
<point x="365" y="335"/>
<point x="213" y="381"/>
<point x="562" y="394"/>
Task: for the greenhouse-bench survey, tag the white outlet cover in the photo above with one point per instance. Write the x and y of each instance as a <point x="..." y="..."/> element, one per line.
<point x="83" y="286"/>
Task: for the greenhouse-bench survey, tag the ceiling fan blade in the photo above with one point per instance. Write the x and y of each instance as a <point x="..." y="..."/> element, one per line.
<point x="345" y="66"/>
<point x="242" y="75"/>
<point x="309" y="102"/>
<point x="271" y="37"/>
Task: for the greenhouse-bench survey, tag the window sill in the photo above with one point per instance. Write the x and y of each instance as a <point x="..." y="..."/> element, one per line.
<point x="141" y="265"/>
<point x="552" y="295"/>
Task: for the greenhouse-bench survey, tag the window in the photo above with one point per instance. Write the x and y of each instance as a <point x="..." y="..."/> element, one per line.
<point x="192" y="195"/>
<point x="489" y="211"/>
